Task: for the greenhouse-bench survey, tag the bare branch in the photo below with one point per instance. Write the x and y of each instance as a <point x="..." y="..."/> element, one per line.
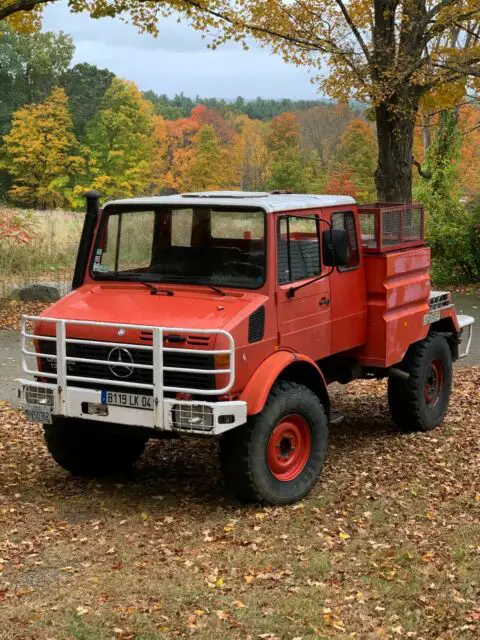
<point x="465" y="133"/>
<point x="21" y="5"/>
<point x="469" y="71"/>
<point x="354" y="29"/>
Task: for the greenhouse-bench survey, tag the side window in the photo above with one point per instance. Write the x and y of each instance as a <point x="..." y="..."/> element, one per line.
<point x="346" y="220"/>
<point x="298" y="249"/>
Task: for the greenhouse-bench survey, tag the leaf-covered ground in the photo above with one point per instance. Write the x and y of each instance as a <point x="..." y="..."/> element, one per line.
<point x="11" y="312"/>
<point x="386" y="546"/>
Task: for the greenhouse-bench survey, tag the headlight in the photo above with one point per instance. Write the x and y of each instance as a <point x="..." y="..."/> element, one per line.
<point x="192" y="417"/>
<point x="42" y="396"/>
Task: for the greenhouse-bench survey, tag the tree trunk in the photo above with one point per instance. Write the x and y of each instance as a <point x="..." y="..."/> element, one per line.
<point x="395" y="126"/>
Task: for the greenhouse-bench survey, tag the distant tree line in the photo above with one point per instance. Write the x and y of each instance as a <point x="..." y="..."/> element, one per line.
<point x="180" y="106"/>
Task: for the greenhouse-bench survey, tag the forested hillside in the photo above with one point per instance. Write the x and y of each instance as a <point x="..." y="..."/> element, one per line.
<point x="66" y="128"/>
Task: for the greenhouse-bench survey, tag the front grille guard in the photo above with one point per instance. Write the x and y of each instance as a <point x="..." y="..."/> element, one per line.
<point x="60" y="379"/>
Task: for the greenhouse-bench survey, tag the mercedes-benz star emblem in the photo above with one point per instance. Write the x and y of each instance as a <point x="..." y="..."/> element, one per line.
<point x="120" y="362"/>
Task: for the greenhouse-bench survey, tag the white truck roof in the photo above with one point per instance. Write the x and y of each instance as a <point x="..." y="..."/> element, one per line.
<point x="270" y="202"/>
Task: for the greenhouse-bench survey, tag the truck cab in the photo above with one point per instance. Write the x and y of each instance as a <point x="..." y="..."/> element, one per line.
<point x="228" y="314"/>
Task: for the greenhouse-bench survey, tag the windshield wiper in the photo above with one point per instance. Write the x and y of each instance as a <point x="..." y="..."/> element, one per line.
<point x="154" y="290"/>
<point x="220" y="292"/>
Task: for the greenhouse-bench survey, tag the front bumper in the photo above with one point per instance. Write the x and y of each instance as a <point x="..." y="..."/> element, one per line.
<point x="41" y="403"/>
<point x="466" y="333"/>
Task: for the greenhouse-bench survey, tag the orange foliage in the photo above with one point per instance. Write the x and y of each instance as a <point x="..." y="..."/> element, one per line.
<point x="340" y="181"/>
<point x="205" y="116"/>
<point x="284" y="132"/>
<point x="180" y="150"/>
<point x="470" y="156"/>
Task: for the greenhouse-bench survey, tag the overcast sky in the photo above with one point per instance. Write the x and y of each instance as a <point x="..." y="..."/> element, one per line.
<point x="178" y="60"/>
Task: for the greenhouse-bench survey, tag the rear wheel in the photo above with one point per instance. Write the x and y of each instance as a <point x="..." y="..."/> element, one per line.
<point x="420" y="403"/>
<point x="278" y="455"/>
<point x="84" y="448"/>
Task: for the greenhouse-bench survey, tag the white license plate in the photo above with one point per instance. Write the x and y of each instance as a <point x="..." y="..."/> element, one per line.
<point x="37" y="414"/>
<point x="129" y="400"/>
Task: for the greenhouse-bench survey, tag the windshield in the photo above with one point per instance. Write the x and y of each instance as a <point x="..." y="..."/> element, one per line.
<point x="198" y="245"/>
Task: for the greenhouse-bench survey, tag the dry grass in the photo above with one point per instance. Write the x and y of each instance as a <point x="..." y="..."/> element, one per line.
<point x="387" y="545"/>
<point x="49" y="256"/>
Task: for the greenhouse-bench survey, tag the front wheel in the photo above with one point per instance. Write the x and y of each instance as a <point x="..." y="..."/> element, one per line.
<point x="85" y="448"/>
<point x="421" y="402"/>
<point x="278" y="455"/>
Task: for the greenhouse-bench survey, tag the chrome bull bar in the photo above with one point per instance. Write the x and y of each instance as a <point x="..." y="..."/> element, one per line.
<point x="62" y="379"/>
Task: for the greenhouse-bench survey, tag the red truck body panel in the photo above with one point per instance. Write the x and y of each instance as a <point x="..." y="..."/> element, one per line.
<point x="398" y="292"/>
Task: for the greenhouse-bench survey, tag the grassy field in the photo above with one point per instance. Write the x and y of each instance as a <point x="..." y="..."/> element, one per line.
<point x="387" y="545"/>
<point x="51" y="253"/>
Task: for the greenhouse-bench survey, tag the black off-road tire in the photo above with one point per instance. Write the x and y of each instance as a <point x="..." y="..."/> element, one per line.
<point x="84" y="448"/>
<point x="409" y="403"/>
<point x="245" y="452"/>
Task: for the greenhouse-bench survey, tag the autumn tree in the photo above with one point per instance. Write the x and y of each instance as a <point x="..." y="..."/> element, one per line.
<point x="206" y="116"/>
<point x="357" y="151"/>
<point x="159" y="161"/>
<point x="180" y="150"/>
<point x="340" y="180"/>
<point x="287" y="165"/>
<point x="321" y="128"/>
<point x="119" y="142"/>
<point x="469" y="168"/>
<point x="210" y="167"/>
<point x="250" y="154"/>
<point x="43" y="153"/>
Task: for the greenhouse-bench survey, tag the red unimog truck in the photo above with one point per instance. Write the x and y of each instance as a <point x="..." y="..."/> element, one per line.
<point x="228" y="314"/>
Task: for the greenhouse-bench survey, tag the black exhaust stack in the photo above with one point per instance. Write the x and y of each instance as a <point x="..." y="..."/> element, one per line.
<point x="84" y="248"/>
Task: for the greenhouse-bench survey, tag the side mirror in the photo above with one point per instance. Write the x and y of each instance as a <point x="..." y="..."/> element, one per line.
<point x="335" y="248"/>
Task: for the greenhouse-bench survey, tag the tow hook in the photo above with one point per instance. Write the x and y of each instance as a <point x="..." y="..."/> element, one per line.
<point x="394" y="372"/>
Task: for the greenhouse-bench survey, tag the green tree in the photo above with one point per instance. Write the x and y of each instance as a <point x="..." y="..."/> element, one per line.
<point x="119" y="141"/>
<point x="30" y="67"/>
<point x="85" y="85"/>
<point x="450" y="225"/>
<point x="42" y="154"/>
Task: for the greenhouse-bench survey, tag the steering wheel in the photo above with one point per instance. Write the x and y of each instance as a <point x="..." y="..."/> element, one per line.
<point x="245" y="268"/>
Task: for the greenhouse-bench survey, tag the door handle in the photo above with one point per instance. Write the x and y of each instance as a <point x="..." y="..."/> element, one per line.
<point x="324" y="301"/>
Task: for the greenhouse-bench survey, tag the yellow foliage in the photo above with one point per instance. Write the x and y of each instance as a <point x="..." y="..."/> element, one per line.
<point x="41" y="153"/>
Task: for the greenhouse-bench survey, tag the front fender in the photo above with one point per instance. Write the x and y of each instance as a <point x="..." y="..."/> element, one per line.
<point x="258" y="388"/>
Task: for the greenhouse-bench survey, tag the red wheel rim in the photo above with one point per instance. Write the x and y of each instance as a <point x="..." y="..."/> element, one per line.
<point x="433" y="384"/>
<point x="289" y="447"/>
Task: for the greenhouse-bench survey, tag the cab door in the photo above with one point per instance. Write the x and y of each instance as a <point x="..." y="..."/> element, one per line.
<point x="349" y="304"/>
<point x="304" y="315"/>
